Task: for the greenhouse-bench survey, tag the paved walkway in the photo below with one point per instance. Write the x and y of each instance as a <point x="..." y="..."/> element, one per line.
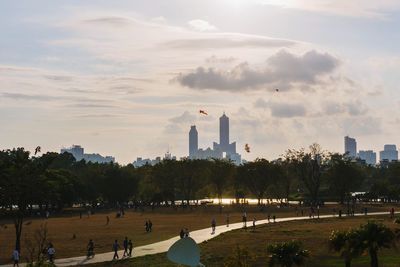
<point x="159" y="247"/>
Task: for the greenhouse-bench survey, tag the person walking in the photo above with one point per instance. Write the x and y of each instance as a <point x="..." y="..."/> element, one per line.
<point x="254" y="224"/>
<point x="150" y="225"/>
<point x="15" y="257"/>
<point x="227" y="220"/>
<point x="115" y="249"/>
<point x="130" y="248"/>
<point x="51" y="253"/>
<point x="274" y="218"/>
<point x="147" y="226"/>
<point x="90" y="249"/>
<point x="125" y="244"/>
<point x="244" y="219"/>
<point x="213" y="225"/>
<point x="182" y="233"/>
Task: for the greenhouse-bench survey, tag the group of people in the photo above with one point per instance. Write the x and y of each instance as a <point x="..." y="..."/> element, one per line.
<point x="49" y="251"/>
<point x="128" y="247"/>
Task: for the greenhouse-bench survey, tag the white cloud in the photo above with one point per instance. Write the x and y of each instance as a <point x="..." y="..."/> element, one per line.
<point x="201" y="25"/>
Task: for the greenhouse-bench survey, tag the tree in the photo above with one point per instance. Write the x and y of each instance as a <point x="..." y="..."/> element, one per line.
<point x="347" y="243"/>
<point x="287" y="254"/>
<point x="375" y="236"/>
<point x="344" y="176"/>
<point x="220" y="175"/>
<point x="309" y="167"/>
<point x="256" y="176"/>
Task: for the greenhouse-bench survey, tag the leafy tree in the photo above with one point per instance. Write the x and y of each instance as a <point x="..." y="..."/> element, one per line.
<point x="309" y="167"/>
<point x="287" y="254"/>
<point x="347" y="243"/>
<point x="344" y="176"/>
<point x="220" y="175"/>
<point x="375" y="236"/>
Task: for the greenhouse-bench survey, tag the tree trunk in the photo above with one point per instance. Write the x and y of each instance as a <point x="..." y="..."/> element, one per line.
<point x="374" y="257"/>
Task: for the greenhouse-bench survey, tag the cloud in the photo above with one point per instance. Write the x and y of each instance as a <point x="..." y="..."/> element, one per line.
<point x="355" y="8"/>
<point x="282" y="110"/>
<point x="201" y="25"/>
<point x="354" y="108"/>
<point x="227" y="40"/>
<point x="115" y="21"/>
<point x="185" y="118"/>
<point x="283" y="70"/>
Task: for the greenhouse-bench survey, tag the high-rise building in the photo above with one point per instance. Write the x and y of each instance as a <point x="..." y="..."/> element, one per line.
<point x="76" y="151"/>
<point x="350" y="146"/>
<point x="193" y="141"/>
<point x="389" y="153"/>
<point x="368" y="155"/>
<point x="224" y="145"/>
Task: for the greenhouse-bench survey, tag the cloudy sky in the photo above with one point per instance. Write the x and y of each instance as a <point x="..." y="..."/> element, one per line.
<point x="127" y="78"/>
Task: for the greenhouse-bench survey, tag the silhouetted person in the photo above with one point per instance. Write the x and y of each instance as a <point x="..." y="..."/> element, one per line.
<point x="150" y="225"/>
<point x="182" y="233"/>
<point x="254" y="224"/>
<point x="125" y="244"/>
<point x="130" y="248"/>
<point x="15" y="257"/>
<point x="115" y="249"/>
<point x="90" y="249"/>
<point x="274" y="217"/>
<point x="147" y="226"/>
<point x="213" y="225"/>
<point x="340" y="213"/>
<point x="227" y="220"/>
<point x="51" y="253"/>
<point x="365" y="211"/>
<point x="244" y="219"/>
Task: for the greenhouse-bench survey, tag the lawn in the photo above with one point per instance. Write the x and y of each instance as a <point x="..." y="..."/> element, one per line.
<point x="313" y="234"/>
<point x="70" y="234"/>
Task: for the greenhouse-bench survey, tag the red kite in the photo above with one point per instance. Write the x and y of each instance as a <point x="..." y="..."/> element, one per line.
<point x="203" y="112"/>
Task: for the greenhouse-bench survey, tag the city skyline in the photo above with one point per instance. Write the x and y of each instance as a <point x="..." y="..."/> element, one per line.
<point x="127" y="78"/>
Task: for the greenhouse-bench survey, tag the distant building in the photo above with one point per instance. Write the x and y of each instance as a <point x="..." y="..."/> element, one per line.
<point x="78" y="152"/>
<point x="139" y="162"/>
<point x="220" y="150"/>
<point x="193" y="141"/>
<point x="350" y="147"/>
<point x="389" y="153"/>
<point x="368" y="156"/>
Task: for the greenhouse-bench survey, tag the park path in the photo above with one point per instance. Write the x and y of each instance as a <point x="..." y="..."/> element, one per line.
<point x="159" y="247"/>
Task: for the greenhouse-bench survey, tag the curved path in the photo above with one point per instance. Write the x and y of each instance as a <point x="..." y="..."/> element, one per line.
<point x="159" y="247"/>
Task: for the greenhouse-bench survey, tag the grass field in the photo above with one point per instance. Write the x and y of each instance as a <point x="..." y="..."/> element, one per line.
<point x="314" y="235"/>
<point x="71" y="234"/>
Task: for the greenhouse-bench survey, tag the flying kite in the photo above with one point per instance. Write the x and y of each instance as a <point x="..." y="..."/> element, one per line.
<point x="247" y="148"/>
<point x="203" y="112"/>
<point x="37" y="149"/>
<point x="276" y="90"/>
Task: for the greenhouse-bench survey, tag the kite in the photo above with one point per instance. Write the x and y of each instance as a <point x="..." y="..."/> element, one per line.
<point x="247" y="148"/>
<point x="185" y="251"/>
<point x="276" y="90"/>
<point x="37" y="149"/>
<point x="203" y="112"/>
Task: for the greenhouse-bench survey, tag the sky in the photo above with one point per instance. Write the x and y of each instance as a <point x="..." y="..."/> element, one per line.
<point x="128" y="78"/>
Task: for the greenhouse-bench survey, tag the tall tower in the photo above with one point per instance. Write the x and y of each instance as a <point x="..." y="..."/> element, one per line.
<point x="193" y="141"/>
<point x="224" y="131"/>
<point x="350" y="146"/>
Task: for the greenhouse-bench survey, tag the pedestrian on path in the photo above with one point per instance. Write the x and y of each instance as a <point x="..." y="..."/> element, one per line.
<point x="269" y="217"/>
<point x="150" y="225"/>
<point x="146" y="225"/>
<point x="213" y="225"/>
<point x="227" y="220"/>
<point x="90" y="249"/>
<point x="244" y="219"/>
<point x="15" y="256"/>
<point x="254" y="224"/>
<point x="125" y="244"/>
<point x="115" y="249"/>
<point x="130" y="248"/>
<point x="51" y="253"/>
<point x="274" y="218"/>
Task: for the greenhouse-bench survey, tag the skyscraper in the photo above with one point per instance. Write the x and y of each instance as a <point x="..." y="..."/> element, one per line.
<point x="224" y="130"/>
<point x="368" y="155"/>
<point x="389" y="153"/>
<point x="224" y="145"/>
<point x="193" y="141"/>
<point x="350" y="146"/>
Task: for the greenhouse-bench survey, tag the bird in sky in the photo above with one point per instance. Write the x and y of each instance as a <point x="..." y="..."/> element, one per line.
<point x="247" y="148"/>
<point x="203" y="112"/>
<point x="37" y="149"/>
<point x="276" y="90"/>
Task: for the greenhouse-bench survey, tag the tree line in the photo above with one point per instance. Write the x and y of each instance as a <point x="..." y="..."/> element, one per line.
<point x="52" y="181"/>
